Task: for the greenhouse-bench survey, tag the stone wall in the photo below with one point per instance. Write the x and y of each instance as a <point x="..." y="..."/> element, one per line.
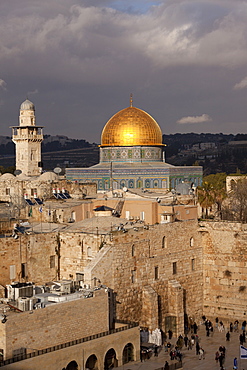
<point x="225" y="262"/>
<point x="29" y="254"/>
<point x="77" y="250"/>
<point x="56" y="324"/>
<point x="142" y="265"/>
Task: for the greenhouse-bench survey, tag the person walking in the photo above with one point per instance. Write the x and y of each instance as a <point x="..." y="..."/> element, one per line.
<point x="201" y="354"/>
<point x="166" y="367"/>
<point x="228" y="336"/>
<point x="235" y="363"/>
<point x="242" y="338"/>
<point x="195" y="327"/>
<point x="189" y="344"/>
<point x="221" y="359"/>
<point x="171" y="355"/>
<point x="236" y="322"/>
<point x="217" y="355"/>
<point x="197" y="348"/>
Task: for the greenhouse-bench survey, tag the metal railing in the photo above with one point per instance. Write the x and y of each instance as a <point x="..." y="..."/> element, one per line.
<point x="67" y="344"/>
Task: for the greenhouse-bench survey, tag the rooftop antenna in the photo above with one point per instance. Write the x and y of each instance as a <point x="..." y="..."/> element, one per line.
<point x="57" y="170"/>
<point x="131" y="100"/>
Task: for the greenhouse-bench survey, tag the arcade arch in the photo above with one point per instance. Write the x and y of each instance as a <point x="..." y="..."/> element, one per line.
<point x="128" y="353"/>
<point x="71" y="366"/>
<point x="92" y="363"/>
<point x="110" y="359"/>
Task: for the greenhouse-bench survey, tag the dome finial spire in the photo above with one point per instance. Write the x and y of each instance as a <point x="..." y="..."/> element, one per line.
<point x="131" y="100"/>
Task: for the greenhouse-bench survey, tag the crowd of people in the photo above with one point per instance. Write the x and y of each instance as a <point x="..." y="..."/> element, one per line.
<point x="177" y="348"/>
<point x="191" y="340"/>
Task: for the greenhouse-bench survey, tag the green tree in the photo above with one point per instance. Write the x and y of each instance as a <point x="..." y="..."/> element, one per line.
<point x="205" y="198"/>
<point x="212" y="191"/>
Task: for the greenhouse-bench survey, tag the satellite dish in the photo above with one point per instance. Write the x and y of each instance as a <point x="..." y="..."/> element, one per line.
<point x="57" y="170"/>
<point x="17" y="172"/>
<point x="125" y="189"/>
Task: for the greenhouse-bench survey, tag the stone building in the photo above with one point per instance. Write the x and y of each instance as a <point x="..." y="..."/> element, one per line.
<point x="232" y="180"/>
<point x="73" y="334"/>
<point x="20" y="194"/>
<point x="28" y="138"/>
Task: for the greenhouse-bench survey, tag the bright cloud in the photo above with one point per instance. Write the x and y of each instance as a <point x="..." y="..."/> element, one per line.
<point x="195" y="119"/>
<point x="241" y="85"/>
<point x="3" y="84"/>
<point x="33" y="92"/>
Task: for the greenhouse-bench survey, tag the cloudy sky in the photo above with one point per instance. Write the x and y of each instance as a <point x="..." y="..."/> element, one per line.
<point x="185" y="62"/>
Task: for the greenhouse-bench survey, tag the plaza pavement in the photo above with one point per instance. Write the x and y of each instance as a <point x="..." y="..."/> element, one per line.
<point x="191" y="360"/>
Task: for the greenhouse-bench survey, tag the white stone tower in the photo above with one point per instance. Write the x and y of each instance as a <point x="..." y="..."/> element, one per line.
<point x="28" y="138"/>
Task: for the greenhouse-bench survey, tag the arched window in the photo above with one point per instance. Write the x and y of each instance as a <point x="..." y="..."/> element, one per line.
<point x="156" y="272"/>
<point x="192" y="242"/>
<point x="193" y="264"/>
<point x="139" y="183"/>
<point x="233" y="184"/>
<point x="89" y="251"/>
<point x="164" y="242"/>
<point x="133" y="250"/>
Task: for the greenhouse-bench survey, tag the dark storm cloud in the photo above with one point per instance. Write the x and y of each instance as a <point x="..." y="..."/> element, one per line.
<point x="83" y="59"/>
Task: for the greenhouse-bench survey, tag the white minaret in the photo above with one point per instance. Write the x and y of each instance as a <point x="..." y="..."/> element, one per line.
<point x="28" y="138"/>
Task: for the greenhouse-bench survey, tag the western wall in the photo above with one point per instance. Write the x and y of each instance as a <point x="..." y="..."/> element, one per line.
<point x="158" y="274"/>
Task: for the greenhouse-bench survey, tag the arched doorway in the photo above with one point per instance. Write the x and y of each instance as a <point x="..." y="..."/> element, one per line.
<point x="92" y="363"/>
<point x="110" y="359"/>
<point x="128" y="353"/>
<point x="71" y="366"/>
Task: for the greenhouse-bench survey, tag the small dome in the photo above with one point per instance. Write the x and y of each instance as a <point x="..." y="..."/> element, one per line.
<point x="7" y="176"/>
<point x="27" y="105"/>
<point x="131" y="126"/>
<point x="48" y="176"/>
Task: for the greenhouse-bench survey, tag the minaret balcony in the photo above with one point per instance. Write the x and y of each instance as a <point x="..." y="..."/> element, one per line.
<point x="27" y="137"/>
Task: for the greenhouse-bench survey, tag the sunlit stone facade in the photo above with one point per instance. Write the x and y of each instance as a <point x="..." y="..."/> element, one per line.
<point x="28" y="138"/>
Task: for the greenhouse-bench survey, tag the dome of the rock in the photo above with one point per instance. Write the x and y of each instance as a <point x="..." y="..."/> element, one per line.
<point x="131" y="127"/>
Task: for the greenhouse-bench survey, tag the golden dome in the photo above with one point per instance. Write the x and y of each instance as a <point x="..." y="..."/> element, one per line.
<point x="129" y="127"/>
